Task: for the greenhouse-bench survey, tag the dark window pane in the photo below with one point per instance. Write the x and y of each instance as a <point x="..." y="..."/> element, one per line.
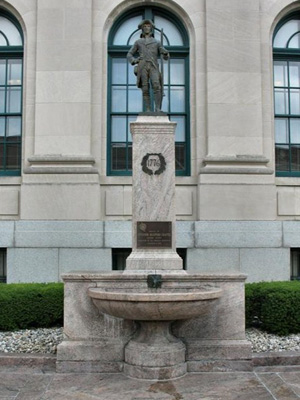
<point x="130" y="157"/>
<point x="118" y="151"/>
<point x="3" y="272"/>
<point x="1" y="156"/>
<point x="282" y="158"/>
<point x="295" y="264"/>
<point x="180" y="156"/>
<point x="12" y="156"/>
<point x="295" y="154"/>
<point x="119" y="258"/>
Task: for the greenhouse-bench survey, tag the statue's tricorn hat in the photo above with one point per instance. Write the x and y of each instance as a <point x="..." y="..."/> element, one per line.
<point x="146" y="21"/>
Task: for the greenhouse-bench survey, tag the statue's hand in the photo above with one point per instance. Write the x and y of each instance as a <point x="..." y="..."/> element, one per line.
<point x="136" y="61"/>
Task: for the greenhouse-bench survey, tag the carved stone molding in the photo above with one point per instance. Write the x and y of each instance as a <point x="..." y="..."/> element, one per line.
<point x="236" y="164"/>
<point x="61" y="164"/>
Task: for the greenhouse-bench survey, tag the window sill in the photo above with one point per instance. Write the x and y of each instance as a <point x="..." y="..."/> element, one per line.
<point x="10" y="180"/>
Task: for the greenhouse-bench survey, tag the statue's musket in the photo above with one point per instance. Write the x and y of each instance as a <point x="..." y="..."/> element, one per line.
<point x="162" y="65"/>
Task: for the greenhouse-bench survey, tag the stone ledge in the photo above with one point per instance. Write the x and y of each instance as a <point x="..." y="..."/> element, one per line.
<point x="276" y="358"/>
<point x="39" y="362"/>
<point x="61" y="164"/>
<point x="47" y="362"/>
<point x="236" y="164"/>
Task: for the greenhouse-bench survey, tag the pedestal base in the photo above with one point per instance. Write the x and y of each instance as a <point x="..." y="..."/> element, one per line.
<point x="154" y="260"/>
<point x="154" y="353"/>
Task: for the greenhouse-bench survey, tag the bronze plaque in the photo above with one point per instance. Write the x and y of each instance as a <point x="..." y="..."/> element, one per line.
<point x="152" y="235"/>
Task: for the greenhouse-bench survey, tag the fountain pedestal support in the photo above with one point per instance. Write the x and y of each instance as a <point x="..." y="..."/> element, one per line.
<point x="155" y="353"/>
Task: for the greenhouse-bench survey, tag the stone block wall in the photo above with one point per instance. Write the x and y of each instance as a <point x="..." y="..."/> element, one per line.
<point x="41" y="251"/>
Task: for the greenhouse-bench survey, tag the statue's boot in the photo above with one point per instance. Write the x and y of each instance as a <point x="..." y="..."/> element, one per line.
<point x="147" y="105"/>
<point x="157" y="101"/>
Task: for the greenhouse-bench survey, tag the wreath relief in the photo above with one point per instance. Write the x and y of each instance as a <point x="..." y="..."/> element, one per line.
<point x="153" y="163"/>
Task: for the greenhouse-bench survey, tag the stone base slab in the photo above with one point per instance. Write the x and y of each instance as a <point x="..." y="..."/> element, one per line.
<point x="88" y="367"/>
<point x="218" y="349"/>
<point x="91" y="351"/>
<point x="219" y="365"/>
<point x="155" y="373"/>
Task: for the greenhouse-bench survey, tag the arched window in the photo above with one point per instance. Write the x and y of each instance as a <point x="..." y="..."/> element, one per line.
<point x="125" y="99"/>
<point x="286" y="54"/>
<point x="11" y="74"/>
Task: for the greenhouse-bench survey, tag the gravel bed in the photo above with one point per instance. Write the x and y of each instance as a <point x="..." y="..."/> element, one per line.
<point x="46" y="341"/>
<point x="262" y="341"/>
<point x="31" y="340"/>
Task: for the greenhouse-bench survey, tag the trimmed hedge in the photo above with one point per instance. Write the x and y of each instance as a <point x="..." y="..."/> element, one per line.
<point x="273" y="306"/>
<point x="31" y="305"/>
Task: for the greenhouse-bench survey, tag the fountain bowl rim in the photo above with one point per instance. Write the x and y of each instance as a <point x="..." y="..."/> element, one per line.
<point x="162" y="296"/>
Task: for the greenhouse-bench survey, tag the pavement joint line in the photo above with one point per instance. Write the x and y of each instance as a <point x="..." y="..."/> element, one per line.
<point x="265" y="386"/>
<point x="289" y="385"/>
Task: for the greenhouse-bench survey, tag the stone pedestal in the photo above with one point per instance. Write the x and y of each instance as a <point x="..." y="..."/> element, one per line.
<point x="153" y="218"/>
<point x="154" y="353"/>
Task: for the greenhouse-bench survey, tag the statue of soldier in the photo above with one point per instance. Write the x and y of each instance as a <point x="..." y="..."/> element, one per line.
<point x="147" y="70"/>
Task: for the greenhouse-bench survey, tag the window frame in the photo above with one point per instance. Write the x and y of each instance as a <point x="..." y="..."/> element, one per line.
<point x="288" y="55"/>
<point x="295" y="264"/>
<point x="118" y="51"/>
<point x="3" y="266"/>
<point x="7" y="53"/>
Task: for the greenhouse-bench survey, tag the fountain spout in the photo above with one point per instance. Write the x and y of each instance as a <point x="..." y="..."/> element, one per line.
<point x="154" y="281"/>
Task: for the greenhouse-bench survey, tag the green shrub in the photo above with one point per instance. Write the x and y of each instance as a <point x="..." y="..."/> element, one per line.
<point x="273" y="306"/>
<point x="31" y="305"/>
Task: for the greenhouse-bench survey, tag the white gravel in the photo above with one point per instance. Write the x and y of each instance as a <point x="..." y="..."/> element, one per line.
<point x="40" y="340"/>
<point x="262" y="341"/>
<point x="46" y="341"/>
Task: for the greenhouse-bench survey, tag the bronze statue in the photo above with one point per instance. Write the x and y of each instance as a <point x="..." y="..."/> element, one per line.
<point x="146" y="69"/>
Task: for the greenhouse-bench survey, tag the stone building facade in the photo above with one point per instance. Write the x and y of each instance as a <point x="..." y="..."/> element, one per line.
<point x="68" y="95"/>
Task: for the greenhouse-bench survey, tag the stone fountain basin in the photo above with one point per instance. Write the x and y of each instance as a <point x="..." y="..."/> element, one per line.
<point x="151" y="306"/>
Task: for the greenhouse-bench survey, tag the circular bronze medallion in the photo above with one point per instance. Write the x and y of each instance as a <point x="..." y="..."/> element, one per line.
<point x="153" y="163"/>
